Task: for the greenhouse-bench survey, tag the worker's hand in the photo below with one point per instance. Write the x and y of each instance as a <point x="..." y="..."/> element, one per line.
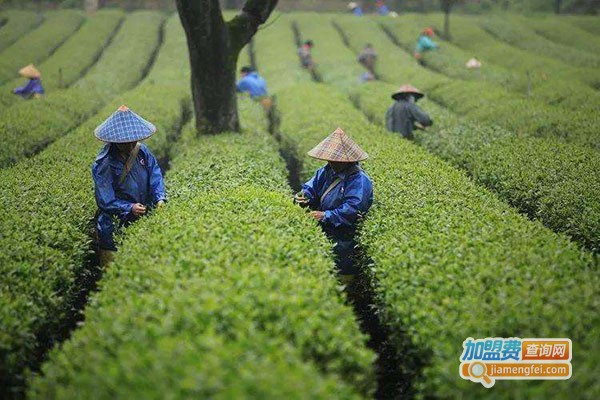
<point x="160" y="204"/>
<point x="318" y="215"/>
<point x="138" y="209"/>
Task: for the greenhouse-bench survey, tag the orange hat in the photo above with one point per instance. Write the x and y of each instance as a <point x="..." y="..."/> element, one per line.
<point x="407" y="89"/>
<point x="428" y="32"/>
<point x="338" y="147"/>
<point x="30" y="72"/>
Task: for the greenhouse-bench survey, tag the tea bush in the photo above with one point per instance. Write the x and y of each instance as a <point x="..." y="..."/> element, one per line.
<point x="29" y="126"/>
<point x="46" y="203"/>
<point x="230" y="263"/>
<point x="17" y="24"/>
<point x="74" y="58"/>
<point x="38" y="44"/>
<point x="447" y="254"/>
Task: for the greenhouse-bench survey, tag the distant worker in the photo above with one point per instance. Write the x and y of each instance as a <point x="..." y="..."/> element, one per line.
<point x="404" y="115"/>
<point x="305" y="54"/>
<point x="355" y="8"/>
<point x="339" y="195"/>
<point x="425" y="43"/>
<point x="382" y="9"/>
<point x="252" y="83"/>
<point x="33" y="89"/>
<point x="127" y="178"/>
<point x="368" y="57"/>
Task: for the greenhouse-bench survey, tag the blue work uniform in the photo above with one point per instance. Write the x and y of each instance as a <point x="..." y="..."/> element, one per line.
<point x="383" y="10"/>
<point x="425" y="44"/>
<point x="31" y="88"/>
<point x="358" y="12"/>
<point x="253" y="84"/>
<point x="144" y="184"/>
<point x="343" y="206"/>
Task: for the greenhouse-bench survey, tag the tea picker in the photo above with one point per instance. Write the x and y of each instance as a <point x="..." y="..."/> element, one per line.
<point x="339" y="195"/>
<point x="127" y="178"/>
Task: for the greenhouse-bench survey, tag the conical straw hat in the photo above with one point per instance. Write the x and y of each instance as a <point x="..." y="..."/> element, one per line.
<point x="473" y="63"/>
<point x="338" y="147"/>
<point x="30" y="72"/>
<point x="124" y="126"/>
<point x="405" y="89"/>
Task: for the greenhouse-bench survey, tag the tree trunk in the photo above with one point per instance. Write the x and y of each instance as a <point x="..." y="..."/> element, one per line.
<point x="90" y="5"/>
<point x="558" y="6"/>
<point x="447" y="25"/>
<point x="214" y="46"/>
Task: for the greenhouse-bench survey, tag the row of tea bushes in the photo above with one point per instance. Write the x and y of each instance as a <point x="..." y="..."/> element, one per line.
<point x="46" y="204"/>
<point x="29" y="126"/>
<point x="39" y="43"/>
<point x="226" y="292"/>
<point x="74" y="58"/>
<point x="449" y="260"/>
<point x="17" y="23"/>
<point x="554" y="182"/>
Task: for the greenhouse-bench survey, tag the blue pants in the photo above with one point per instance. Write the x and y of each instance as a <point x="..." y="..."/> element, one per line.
<point x="106" y="229"/>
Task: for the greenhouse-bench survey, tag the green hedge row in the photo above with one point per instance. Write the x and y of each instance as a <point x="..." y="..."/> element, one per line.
<point x="18" y="23"/>
<point x="46" y="203"/>
<point x="277" y="43"/>
<point x="516" y="32"/>
<point x="553" y="182"/>
<point x="449" y="260"/>
<point x="587" y="23"/>
<point x="29" y="126"/>
<point x="559" y="107"/>
<point x="229" y="265"/>
<point x="548" y="75"/>
<point x="39" y="43"/>
<point x="558" y="30"/>
<point x="74" y="58"/>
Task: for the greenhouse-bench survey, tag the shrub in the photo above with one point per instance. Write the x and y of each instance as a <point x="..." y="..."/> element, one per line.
<point x="449" y="260"/>
<point x="230" y="263"/>
<point x="17" y="24"/>
<point x="39" y="43"/>
<point x="29" y="126"/>
<point x="74" y="58"/>
<point x="47" y="202"/>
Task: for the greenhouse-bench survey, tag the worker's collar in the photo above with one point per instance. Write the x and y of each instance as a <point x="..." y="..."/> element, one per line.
<point x="350" y="170"/>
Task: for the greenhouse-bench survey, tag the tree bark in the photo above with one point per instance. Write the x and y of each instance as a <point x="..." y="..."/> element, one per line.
<point x="558" y="6"/>
<point x="447" y="7"/>
<point x="214" y="46"/>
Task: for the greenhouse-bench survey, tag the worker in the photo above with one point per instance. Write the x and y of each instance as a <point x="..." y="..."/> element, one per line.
<point x="127" y="178"/>
<point x="404" y="115"/>
<point x="355" y="8"/>
<point x="251" y="82"/>
<point x="33" y="89"/>
<point x="425" y="43"/>
<point x="367" y="58"/>
<point x="382" y="9"/>
<point x="339" y="196"/>
<point x="367" y="77"/>
<point x="305" y="54"/>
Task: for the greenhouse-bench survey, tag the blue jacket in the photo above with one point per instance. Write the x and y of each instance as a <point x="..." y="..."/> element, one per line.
<point x="424" y="44"/>
<point x="342" y="205"/>
<point x="144" y="184"/>
<point x="383" y="10"/>
<point x="30" y="88"/>
<point x="358" y="12"/>
<point x="253" y="84"/>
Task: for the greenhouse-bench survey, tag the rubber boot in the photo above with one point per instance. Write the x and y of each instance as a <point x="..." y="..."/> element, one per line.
<point x="105" y="257"/>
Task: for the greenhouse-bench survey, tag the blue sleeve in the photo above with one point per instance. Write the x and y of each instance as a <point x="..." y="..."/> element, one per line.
<point x="157" y="183"/>
<point x="357" y="199"/>
<point x="311" y="188"/>
<point x="242" y="85"/>
<point x="106" y="199"/>
<point x="24" y="89"/>
<point x="429" y="44"/>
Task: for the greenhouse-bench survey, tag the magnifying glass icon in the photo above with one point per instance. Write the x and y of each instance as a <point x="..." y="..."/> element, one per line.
<point x="478" y="370"/>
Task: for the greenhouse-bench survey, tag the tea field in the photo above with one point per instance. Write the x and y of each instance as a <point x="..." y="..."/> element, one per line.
<point x="486" y="225"/>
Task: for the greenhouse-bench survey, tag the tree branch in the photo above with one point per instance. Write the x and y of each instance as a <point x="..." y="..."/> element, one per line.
<point x="244" y="25"/>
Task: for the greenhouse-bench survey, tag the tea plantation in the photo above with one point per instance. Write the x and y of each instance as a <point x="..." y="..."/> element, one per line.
<point x="486" y="225"/>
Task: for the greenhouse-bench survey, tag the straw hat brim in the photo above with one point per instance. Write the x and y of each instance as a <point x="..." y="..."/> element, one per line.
<point x="398" y="95"/>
